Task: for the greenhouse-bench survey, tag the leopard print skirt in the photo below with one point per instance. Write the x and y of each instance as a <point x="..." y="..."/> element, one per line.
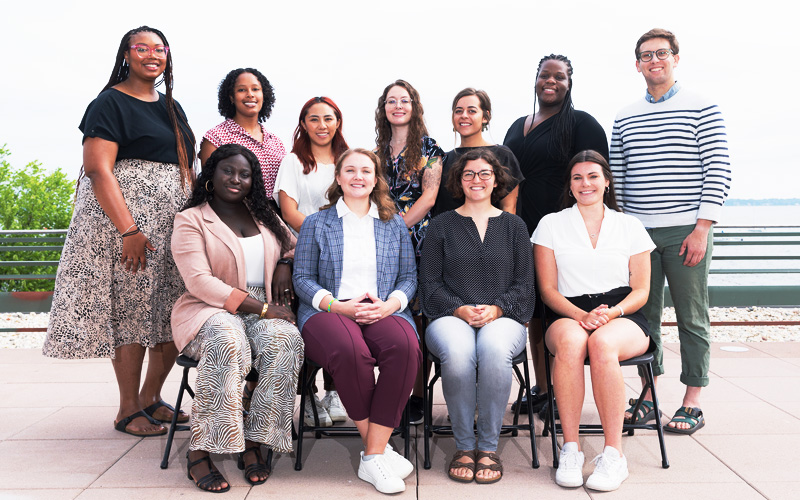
<point x="99" y="306"/>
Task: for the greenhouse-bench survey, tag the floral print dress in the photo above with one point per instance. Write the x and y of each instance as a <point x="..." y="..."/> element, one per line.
<point x="405" y="186"/>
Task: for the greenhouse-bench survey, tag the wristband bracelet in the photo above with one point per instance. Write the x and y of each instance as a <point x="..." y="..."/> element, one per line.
<point x="264" y="311"/>
<point x="621" y="311"/>
<point x="131" y="233"/>
<point x="286" y="261"/>
<point x="129" y="228"/>
<point x="331" y="303"/>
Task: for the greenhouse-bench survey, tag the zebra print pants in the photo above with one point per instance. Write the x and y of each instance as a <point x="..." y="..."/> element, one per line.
<point x="226" y="347"/>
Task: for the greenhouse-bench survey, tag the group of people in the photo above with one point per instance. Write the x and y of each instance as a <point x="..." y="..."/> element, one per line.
<point x="263" y="259"/>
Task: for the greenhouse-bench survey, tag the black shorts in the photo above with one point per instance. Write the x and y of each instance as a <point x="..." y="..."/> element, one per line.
<point x="611" y="298"/>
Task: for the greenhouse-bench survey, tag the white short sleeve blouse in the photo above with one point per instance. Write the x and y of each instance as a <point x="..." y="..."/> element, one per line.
<point x="583" y="269"/>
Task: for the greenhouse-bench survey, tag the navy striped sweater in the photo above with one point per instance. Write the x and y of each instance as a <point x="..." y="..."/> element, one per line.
<point x="670" y="160"/>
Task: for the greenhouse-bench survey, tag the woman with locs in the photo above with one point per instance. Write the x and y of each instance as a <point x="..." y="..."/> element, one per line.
<point x="117" y="282"/>
<point x="544" y="142"/>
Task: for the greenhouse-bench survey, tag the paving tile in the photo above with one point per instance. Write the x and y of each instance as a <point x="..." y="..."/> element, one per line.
<point x="718" y="350"/>
<point x="754" y="457"/>
<point x="45" y="395"/>
<point x="771" y="389"/>
<point x="330" y="467"/>
<point x="16" y="419"/>
<point x="173" y="493"/>
<point x="84" y="423"/>
<point x="790" y="407"/>
<point x="778" y="490"/>
<point x="754" y="367"/>
<point x="778" y="349"/>
<point x="51" y="372"/>
<point x="54" y="494"/>
<point x="718" y="419"/>
<point x="670" y="491"/>
<point x="58" y="464"/>
<point x="671" y="392"/>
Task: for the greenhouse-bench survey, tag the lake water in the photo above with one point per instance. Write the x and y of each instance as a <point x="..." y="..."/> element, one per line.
<point x="758" y="216"/>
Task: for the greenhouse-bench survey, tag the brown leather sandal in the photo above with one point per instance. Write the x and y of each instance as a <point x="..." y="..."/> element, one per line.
<point x="455" y="464"/>
<point x="496" y="466"/>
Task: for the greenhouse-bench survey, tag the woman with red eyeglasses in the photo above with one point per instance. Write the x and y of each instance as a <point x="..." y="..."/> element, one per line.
<point x="117" y="282"/>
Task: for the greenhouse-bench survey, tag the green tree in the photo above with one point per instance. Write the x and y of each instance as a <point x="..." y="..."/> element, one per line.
<point x="32" y="198"/>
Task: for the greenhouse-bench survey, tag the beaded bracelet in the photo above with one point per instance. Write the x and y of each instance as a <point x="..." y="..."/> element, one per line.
<point x="331" y="303"/>
<point x="264" y="311"/>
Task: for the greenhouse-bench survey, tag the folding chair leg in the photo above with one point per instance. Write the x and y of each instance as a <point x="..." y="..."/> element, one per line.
<point x="174" y="425"/>
<point x="650" y="380"/>
<point x="526" y="381"/>
<point x="298" y="464"/>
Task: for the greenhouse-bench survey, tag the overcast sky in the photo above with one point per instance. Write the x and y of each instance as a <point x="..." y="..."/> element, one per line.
<point x="58" y="54"/>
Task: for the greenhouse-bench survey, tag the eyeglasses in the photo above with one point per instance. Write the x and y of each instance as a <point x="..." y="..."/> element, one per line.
<point x="142" y="50"/>
<point x="395" y="102"/>
<point x="484" y="175"/>
<point x="662" y="54"/>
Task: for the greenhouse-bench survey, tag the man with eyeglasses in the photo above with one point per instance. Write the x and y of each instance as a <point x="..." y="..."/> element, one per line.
<point x="669" y="157"/>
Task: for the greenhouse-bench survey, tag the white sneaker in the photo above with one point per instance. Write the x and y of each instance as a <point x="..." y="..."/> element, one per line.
<point x="610" y="471"/>
<point x="378" y="473"/>
<point x="397" y="462"/>
<point x="333" y="405"/>
<point x="570" y="466"/>
<point x="308" y="417"/>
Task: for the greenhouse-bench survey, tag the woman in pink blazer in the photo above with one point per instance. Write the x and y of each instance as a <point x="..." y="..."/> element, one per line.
<point x="235" y="255"/>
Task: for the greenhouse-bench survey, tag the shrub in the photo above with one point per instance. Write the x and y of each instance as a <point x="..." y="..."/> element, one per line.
<point x="32" y="198"/>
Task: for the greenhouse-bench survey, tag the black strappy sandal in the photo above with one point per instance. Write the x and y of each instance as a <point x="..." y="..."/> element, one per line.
<point x="256" y="468"/>
<point x="205" y="482"/>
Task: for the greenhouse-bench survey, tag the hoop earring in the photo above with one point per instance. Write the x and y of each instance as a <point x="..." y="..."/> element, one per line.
<point x="211" y="189"/>
<point x="607" y="189"/>
<point x="570" y="194"/>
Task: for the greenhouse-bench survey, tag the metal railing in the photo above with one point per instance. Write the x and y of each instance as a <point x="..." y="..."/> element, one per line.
<point x="778" y="257"/>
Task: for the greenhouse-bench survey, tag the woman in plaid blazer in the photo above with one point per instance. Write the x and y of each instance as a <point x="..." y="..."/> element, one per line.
<point x="354" y="274"/>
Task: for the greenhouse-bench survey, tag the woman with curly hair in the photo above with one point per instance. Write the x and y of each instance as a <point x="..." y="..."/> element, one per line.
<point x="245" y="99"/>
<point x="116" y="282"/>
<point x="478" y="305"/>
<point x="355" y="261"/>
<point x="233" y="252"/>
<point x="413" y="163"/>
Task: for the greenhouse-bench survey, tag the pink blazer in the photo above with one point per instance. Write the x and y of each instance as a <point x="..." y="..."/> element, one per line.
<point x="211" y="262"/>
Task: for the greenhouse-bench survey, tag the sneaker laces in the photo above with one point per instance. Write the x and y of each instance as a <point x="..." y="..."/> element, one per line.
<point x="603" y="464"/>
<point x="571" y="460"/>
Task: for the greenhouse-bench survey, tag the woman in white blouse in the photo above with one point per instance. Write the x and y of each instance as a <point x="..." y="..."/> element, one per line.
<point x="307" y="172"/>
<point x="300" y="190"/>
<point x="593" y="270"/>
<point x="354" y="274"/>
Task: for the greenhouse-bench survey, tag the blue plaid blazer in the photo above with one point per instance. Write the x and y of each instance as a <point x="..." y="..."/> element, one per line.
<point x="318" y="260"/>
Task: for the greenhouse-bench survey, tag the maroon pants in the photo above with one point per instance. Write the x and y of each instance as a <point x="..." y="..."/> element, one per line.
<point x="349" y="352"/>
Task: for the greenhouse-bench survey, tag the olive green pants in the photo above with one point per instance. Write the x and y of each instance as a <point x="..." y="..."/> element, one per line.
<point x="688" y="287"/>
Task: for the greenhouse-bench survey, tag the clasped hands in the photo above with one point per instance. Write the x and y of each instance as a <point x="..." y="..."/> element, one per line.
<point x="366" y="313"/>
<point x="595" y="318"/>
<point x="479" y="315"/>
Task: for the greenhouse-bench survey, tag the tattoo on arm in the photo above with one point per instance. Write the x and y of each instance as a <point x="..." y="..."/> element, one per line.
<point x="432" y="174"/>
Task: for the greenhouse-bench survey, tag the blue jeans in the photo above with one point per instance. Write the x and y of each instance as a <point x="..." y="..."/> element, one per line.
<point x="476" y="373"/>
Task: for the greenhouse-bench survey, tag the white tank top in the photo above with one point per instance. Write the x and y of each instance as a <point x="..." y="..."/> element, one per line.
<point x="253" y="247"/>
